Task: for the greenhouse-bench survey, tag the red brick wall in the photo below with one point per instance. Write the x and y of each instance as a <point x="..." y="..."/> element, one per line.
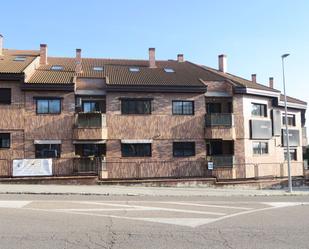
<point x="161" y="126"/>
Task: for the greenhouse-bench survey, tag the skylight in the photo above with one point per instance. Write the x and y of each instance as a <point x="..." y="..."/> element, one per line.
<point x="134" y="69"/>
<point x="97" y="68"/>
<point x="20" y="58"/>
<point x="169" y="70"/>
<point x="57" y="67"/>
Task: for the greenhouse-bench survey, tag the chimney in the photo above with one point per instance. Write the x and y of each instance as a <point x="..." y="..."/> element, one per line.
<point x="152" y="57"/>
<point x="1" y="44"/>
<point x="78" y="68"/>
<point x="253" y="78"/>
<point x="43" y="54"/>
<point x="180" y="58"/>
<point x="223" y="63"/>
<point x="271" y="82"/>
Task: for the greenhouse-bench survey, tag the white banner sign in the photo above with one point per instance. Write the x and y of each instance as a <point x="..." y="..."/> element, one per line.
<point x="32" y="167"/>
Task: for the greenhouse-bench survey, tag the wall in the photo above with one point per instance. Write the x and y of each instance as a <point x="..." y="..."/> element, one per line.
<point x="12" y="121"/>
<point x="48" y="126"/>
<point x="269" y="163"/>
<point x="161" y="126"/>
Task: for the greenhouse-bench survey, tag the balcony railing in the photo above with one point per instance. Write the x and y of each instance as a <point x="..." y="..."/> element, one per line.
<point x="222" y="160"/>
<point x="87" y="165"/>
<point x="90" y="120"/>
<point x="219" y="119"/>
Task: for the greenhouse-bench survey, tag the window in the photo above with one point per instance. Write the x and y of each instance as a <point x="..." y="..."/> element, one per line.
<point x="91" y="106"/>
<point x="47" y="150"/>
<point x="136" y="150"/>
<point x="183" y="149"/>
<point x="5" y="140"/>
<point x="293" y="154"/>
<point x="97" y="68"/>
<point x="5" y="96"/>
<point x="183" y="108"/>
<point x="136" y="106"/>
<point x="169" y="70"/>
<point x="48" y="106"/>
<point x="91" y="150"/>
<point x="57" y="67"/>
<point x="134" y="69"/>
<point x="20" y="58"/>
<point x="213" y="108"/>
<point x="259" y="110"/>
<point x="260" y="148"/>
<point x="291" y="119"/>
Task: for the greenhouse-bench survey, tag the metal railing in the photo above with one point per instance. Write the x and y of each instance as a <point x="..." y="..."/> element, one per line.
<point x="90" y="120"/>
<point x="222" y="160"/>
<point x="156" y="169"/>
<point x="165" y="169"/>
<point x="87" y="165"/>
<point x="219" y="119"/>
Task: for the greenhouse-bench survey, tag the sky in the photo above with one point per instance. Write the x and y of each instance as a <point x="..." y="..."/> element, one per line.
<point x="253" y="34"/>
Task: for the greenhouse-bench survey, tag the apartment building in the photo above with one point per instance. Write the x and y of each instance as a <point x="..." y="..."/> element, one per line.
<point x="142" y="118"/>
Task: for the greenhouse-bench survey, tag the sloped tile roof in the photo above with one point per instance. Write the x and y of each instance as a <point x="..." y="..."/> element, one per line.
<point x="117" y="72"/>
<point x="9" y="65"/>
<point x="241" y="82"/>
<point x="292" y="100"/>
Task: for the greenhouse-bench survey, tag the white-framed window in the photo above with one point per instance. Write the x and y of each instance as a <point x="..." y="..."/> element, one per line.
<point x="259" y="110"/>
<point x="293" y="154"/>
<point x="260" y="148"/>
<point x="291" y="119"/>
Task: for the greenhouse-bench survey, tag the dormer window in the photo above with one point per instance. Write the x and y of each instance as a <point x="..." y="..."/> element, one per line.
<point x="134" y="69"/>
<point x="169" y="70"/>
<point x="57" y="67"/>
<point x="98" y="69"/>
<point x="20" y="58"/>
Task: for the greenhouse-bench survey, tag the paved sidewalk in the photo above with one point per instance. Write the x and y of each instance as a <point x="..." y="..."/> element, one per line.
<point x="140" y="191"/>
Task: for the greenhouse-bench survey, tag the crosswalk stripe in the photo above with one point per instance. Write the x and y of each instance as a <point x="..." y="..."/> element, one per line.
<point x="206" y="205"/>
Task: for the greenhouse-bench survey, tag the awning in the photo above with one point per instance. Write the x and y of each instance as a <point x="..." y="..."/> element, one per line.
<point x="136" y="141"/>
<point x="47" y="141"/>
<point x="89" y="141"/>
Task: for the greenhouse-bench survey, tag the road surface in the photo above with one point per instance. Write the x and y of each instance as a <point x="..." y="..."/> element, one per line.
<point x="39" y="222"/>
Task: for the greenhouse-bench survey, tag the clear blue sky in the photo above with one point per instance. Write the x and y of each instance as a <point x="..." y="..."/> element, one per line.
<point x="253" y="34"/>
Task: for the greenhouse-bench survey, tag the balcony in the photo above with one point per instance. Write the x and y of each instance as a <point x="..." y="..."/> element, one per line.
<point x="86" y="165"/>
<point x="90" y="126"/>
<point x="219" y="126"/>
<point x="222" y="160"/>
<point x="219" y="119"/>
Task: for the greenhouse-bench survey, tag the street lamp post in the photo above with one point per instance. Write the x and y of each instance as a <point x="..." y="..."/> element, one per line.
<point x="286" y="127"/>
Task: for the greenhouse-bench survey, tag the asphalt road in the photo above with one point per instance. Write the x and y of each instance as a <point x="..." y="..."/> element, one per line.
<point x="39" y="222"/>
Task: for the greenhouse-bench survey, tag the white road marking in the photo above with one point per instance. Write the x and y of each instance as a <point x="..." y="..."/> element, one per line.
<point x="189" y="222"/>
<point x="13" y="204"/>
<point x="158" y="208"/>
<point x="273" y="206"/>
<point x="95" y="209"/>
<point x="285" y="204"/>
<point x="206" y="205"/>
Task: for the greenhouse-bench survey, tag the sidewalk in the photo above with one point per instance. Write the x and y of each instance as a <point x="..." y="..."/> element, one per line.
<point x="140" y="191"/>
